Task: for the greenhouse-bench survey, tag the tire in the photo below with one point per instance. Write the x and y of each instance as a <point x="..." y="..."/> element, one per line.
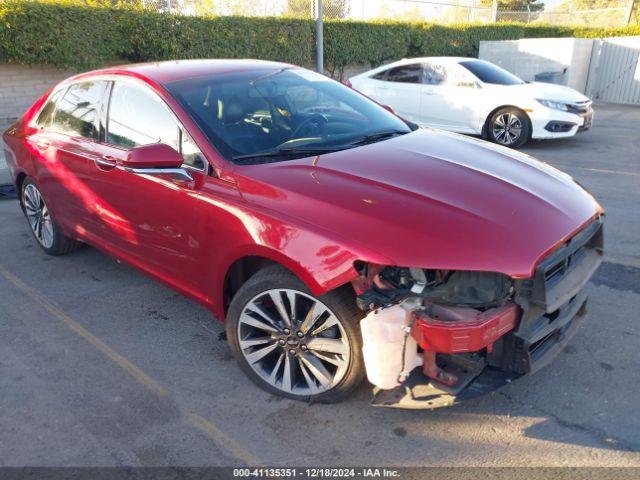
<point x="44" y="228"/>
<point x="510" y="127"/>
<point x="316" y="371"/>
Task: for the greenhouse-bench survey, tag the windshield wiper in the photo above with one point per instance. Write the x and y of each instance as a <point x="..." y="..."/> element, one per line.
<point x="283" y="152"/>
<point x="374" y="137"/>
<point x="288" y="151"/>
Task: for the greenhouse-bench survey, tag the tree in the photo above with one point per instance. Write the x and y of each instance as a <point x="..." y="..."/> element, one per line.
<point x="330" y="8"/>
<point x="298" y="8"/>
<point x="245" y="8"/>
<point x="601" y="13"/>
<point x="514" y="5"/>
<point x="336" y="8"/>
<point x="520" y="5"/>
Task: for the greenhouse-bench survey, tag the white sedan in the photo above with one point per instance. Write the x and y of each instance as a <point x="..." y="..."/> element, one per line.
<point x="472" y="96"/>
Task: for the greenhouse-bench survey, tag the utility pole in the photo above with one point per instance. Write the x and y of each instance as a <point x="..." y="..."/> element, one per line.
<point x="319" y="41"/>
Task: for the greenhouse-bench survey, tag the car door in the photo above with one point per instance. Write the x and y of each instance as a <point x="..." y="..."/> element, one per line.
<point x="451" y="98"/>
<point x="400" y="89"/>
<point x="150" y="220"/>
<point x="69" y="128"/>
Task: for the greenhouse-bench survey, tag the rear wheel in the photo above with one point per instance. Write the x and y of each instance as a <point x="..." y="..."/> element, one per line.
<point x="510" y="127"/>
<point x="43" y="226"/>
<point x="292" y="343"/>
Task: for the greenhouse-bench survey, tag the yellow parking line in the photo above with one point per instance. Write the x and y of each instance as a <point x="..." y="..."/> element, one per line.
<point x="615" y="172"/>
<point x="114" y="356"/>
<point x="237" y="450"/>
<point x="213" y="432"/>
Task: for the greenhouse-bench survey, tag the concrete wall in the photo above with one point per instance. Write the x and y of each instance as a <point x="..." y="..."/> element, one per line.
<point x="21" y="85"/>
<point x="528" y="57"/>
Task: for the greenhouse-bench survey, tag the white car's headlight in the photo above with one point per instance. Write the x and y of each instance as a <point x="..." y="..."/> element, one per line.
<point x="553" y="104"/>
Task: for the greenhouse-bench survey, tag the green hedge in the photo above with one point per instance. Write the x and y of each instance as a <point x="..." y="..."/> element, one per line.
<point x="69" y="35"/>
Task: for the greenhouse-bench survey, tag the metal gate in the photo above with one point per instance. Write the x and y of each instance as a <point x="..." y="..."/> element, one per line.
<point x="614" y="73"/>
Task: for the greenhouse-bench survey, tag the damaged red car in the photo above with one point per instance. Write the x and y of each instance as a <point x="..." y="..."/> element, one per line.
<point x="335" y="239"/>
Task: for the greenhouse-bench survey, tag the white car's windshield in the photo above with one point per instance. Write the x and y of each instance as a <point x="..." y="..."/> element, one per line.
<point x="489" y="73"/>
<point x="275" y="115"/>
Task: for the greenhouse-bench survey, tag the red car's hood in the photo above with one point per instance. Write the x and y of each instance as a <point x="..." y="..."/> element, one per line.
<point x="429" y="199"/>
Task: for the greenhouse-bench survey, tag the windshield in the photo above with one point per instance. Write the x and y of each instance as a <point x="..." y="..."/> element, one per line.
<point x="282" y="114"/>
<point x="489" y="73"/>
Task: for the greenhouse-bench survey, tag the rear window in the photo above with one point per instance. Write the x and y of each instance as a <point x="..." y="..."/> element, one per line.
<point x="487" y="72"/>
<point x="77" y="113"/>
<point x="46" y="114"/>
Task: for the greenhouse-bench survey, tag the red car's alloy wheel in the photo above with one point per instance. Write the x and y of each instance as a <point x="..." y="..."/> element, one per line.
<point x="293" y="341"/>
<point x="38" y="215"/>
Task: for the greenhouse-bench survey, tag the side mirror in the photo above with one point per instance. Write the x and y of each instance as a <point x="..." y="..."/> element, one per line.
<point x="156" y="155"/>
<point x="156" y="159"/>
<point x="389" y="108"/>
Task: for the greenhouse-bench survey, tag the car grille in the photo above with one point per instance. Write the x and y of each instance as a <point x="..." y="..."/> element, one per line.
<point x="553" y="301"/>
<point x="564" y="272"/>
<point x="561" y="267"/>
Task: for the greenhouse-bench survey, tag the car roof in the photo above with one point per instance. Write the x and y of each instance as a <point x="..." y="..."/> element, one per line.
<point x="175" y="70"/>
<point x="445" y="60"/>
<point x="407" y="61"/>
<point x="438" y="59"/>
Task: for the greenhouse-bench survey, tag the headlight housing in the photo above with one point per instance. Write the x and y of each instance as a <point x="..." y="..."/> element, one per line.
<point x="380" y="286"/>
<point x="556" y="105"/>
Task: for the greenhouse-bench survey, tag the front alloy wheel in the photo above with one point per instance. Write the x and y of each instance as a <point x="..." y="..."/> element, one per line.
<point x="509" y="127"/>
<point x="292" y="343"/>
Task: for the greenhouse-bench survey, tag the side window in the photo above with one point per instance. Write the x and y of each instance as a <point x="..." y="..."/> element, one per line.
<point x="434" y="74"/>
<point x="77" y="113"/>
<point x="406" y="74"/>
<point x="461" y="77"/>
<point x="137" y="117"/>
<point x="381" y="75"/>
<point x="46" y="114"/>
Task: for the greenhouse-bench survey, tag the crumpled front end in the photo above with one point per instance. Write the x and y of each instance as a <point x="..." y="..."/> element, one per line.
<point x="433" y="338"/>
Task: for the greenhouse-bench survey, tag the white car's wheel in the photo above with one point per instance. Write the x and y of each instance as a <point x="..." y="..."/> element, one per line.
<point x="510" y="127"/>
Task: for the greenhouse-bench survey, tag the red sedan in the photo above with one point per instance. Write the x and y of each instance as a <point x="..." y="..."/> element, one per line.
<point x="334" y="238"/>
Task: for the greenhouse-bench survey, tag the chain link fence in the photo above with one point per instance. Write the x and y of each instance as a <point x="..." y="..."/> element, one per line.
<point x="610" y="13"/>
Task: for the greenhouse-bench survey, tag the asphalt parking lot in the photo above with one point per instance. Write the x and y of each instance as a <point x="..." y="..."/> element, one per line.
<point x="101" y="366"/>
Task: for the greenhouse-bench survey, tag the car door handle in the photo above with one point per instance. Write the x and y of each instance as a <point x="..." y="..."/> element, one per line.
<point x="106" y="162"/>
<point x="428" y="92"/>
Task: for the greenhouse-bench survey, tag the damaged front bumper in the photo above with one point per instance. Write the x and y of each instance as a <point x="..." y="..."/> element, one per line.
<point x="467" y="353"/>
<point x="420" y="392"/>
